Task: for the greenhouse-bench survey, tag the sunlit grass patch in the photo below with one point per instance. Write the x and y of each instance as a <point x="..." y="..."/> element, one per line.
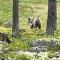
<point x="5" y="30"/>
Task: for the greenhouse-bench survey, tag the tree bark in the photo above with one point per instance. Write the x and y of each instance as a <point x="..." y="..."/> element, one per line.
<point x="15" y="22"/>
<point x="52" y="17"/>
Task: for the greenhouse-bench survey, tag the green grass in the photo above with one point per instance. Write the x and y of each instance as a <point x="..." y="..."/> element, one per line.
<point x="12" y="56"/>
<point x="5" y="10"/>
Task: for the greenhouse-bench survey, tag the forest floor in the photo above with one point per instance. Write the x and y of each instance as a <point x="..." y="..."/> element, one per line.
<point x="27" y="8"/>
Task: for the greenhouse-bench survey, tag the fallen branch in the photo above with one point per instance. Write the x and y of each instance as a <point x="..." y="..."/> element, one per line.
<point x="5" y="38"/>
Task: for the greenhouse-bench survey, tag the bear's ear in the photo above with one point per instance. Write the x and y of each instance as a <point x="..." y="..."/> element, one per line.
<point x="29" y="19"/>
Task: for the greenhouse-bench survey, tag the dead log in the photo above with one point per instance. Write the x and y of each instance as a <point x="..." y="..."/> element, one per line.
<point x="5" y="38"/>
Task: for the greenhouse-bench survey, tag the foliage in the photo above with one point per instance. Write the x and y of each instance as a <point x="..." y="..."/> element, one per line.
<point x="11" y="56"/>
<point x="18" y="45"/>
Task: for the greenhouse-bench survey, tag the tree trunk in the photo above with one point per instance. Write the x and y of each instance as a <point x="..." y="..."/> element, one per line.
<point x="51" y="21"/>
<point x="15" y="22"/>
